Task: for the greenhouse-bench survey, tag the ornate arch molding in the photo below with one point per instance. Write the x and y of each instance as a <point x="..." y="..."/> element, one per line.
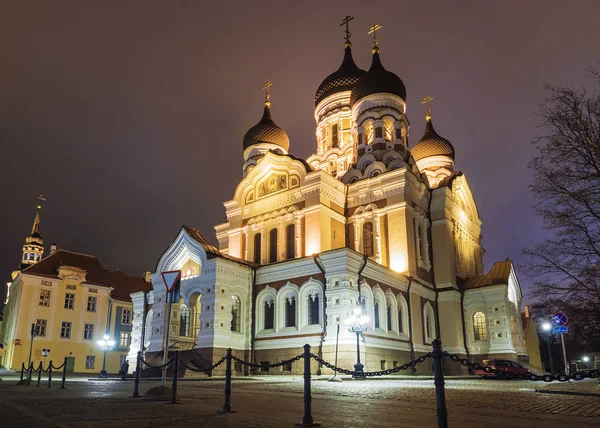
<point x="183" y="248"/>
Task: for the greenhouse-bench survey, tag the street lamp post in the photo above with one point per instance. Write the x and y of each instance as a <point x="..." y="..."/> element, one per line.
<point x="105" y="344"/>
<point x="357" y="323"/>
<point x="549" y="335"/>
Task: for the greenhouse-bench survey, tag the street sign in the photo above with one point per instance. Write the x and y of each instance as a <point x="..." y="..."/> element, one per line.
<point x="560" y="319"/>
<point x="170" y="278"/>
<point x="561" y="329"/>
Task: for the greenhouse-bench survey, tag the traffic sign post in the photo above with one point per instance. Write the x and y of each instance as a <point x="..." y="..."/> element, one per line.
<point x="560" y="320"/>
<point x="562" y="329"/>
<point x="171" y="280"/>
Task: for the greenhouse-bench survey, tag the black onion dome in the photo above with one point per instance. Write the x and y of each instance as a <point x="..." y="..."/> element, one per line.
<point x="377" y="80"/>
<point x="341" y="80"/>
<point x="266" y="131"/>
<point x="431" y="144"/>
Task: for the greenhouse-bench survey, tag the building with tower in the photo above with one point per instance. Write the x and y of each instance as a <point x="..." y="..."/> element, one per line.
<point x="370" y="220"/>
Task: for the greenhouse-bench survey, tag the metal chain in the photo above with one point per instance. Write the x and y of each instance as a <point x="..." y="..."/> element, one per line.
<point x="156" y="367"/>
<point x="197" y="369"/>
<point x="271" y="366"/>
<point x="400" y="368"/>
<point x="580" y="375"/>
<point x="59" y="367"/>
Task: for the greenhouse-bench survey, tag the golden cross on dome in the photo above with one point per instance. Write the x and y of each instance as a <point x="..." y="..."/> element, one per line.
<point x="266" y="88"/>
<point x="345" y="22"/>
<point x="426" y="101"/>
<point x="373" y="30"/>
<point x="41" y="198"/>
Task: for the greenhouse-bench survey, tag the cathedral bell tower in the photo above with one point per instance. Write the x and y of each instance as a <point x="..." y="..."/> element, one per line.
<point x="33" y="250"/>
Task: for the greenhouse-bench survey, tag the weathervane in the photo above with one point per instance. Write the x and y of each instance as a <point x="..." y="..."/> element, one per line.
<point x="345" y="22"/>
<point x="267" y="94"/>
<point x="426" y="101"/>
<point x="373" y="30"/>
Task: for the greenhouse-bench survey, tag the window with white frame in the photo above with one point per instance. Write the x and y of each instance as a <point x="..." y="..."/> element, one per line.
<point x="269" y="312"/>
<point x="91" y="304"/>
<point x="290" y="311"/>
<point x="126" y="316"/>
<point x="124" y="340"/>
<point x="90" y="361"/>
<point x="402" y="315"/>
<point x="429" y="322"/>
<point x="88" y="332"/>
<point x="69" y="301"/>
<point x="40" y="327"/>
<point x="313" y="309"/>
<point x="376" y="314"/>
<point x="368" y="248"/>
<point x="479" y="326"/>
<point x="184" y="321"/>
<point x="65" y="330"/>
<point x="45" y="297"/>
<point x="236" y="309"/>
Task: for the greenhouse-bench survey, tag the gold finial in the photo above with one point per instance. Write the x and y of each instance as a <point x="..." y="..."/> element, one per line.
<point x="426" y="101"/>
<point x="373" y="30"/>
<point x="267" y="94"/>
<point x="41" y="198"/>
<point x="345" y="22"/>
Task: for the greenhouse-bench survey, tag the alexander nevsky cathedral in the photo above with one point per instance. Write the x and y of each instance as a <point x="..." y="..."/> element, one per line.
<point x="378" y="221"/>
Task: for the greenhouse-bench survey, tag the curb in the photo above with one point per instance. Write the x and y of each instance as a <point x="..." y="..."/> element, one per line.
<point x="580" y="394"/>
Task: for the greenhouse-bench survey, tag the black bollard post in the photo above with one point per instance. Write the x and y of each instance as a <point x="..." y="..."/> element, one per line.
<point x="440" y="394"/>
<point x="50" y="375"/>
<point x="29" y="373"/>
<point x="64" y="374"/>
<point x="22" y="374"/>
<point x="227" y="404"/>
<point x="307" y="419"/>
<point x="175" y="374"/>
<point x="39" y="370"/>
<point x="136" y="383"/>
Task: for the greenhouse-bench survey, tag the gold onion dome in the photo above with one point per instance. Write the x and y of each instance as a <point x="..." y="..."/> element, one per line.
<point x="341" y="80"/>
<point x="266" y="131"/>
<point x="377" y="80"/>
<point x="431" y="144"/>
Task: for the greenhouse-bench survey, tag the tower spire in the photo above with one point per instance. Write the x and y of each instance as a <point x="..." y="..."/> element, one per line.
<point x="268" y="84"/>
<point x="345" y="22"/>
<point x="373" y="30"/>
<point x="426" y="101"/>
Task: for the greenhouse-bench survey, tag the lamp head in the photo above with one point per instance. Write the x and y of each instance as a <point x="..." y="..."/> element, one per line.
<point x="357" y="311"/>
<point x="586" y="359"/>
<point x="546" y="326"/>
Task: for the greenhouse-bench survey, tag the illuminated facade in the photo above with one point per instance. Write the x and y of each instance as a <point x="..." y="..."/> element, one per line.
<point x="367" y="210"/>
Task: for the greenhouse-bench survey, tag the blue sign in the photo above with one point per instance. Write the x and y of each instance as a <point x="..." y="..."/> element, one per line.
<point x="559" y="319"/>
<point x="561" y="329"/>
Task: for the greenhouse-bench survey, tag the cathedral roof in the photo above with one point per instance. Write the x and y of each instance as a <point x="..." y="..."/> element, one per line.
<point x="377" y="80"/>
<point x="431" y="144"/>
<point x="498" y="274"/>
<point x="341" y="80"/>
<point x="266" y="131"/>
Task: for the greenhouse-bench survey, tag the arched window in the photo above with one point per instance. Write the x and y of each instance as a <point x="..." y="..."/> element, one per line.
<point x="269" y="314"/>
<point x="236" y="309"/>
<point x="400" y="319"/>
<point x="273" y="246"/>
<point x="38" y="257"/>
<point x="389" y="317"/>
<point x="334" y="135"/>
<point x="368" y="239"/>
<point x="313" y="309"/>
<point x="290" y="312"/>
<point x="184" y="321"/>
<point x="479" y="326"/>
<point x="31" y="256"/>
<point x="376" y="314"/>
<point x="24" y="256"/>
<point x="290" y="241"/>
<point x="429" y="322"/>
<point x="257" y="243"/>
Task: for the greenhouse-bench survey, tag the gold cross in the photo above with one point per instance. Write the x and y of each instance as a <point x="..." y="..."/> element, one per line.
<point x="346" y="21"/>
<point x="426" y="101"/>
<point x="266" y="88"/>
<point x="41" y="198"/>
<point x="373" y="30"/>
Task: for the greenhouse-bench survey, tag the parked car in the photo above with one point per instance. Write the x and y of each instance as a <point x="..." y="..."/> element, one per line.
<point x="505" y="369"/>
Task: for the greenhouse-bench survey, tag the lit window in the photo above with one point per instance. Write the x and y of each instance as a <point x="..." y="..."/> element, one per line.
<point x="334" y="135"/>
<point x="124" y="340"/>
<point x="184" y="321"/>
<point x="90" y="361"/>
<point x="88" y="332"/>
<point x="91" y="304"/>
<point x="479" y="326"/>
<point x="31" y="256"/>
<point x="65" y="330"/>
<point x="368" y="239"/>
<point x="69" y="301"/>
<point x="24" y="256"/>
<point x="45" y="298"/>
<point x="236" y="309"/>
<point x="40" y="327"/>
<point x="38" y="257"/>
<point x="126" y="317"/>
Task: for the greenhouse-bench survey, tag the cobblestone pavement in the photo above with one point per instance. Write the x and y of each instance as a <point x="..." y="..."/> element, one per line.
<point x="279" y="403"/>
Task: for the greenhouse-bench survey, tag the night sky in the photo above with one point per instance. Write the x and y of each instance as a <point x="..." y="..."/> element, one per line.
<point x="129" y="116"/>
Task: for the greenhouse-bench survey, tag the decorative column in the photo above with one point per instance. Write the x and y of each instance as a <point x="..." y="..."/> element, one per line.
<point x="280" y="240"/>
<point x="298" y="215"/>
<point x="245" y="242"/>
<point x="377" y="238"/>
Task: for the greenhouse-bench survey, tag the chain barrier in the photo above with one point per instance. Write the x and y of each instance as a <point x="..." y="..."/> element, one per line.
<point x="398" y="369"/>
<point x="152" y="366"/>
<point x="580" y="375"/>
<point x="57" y="368"/>
<point x="198" y="369"/>
<point x="270" y="366"/>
